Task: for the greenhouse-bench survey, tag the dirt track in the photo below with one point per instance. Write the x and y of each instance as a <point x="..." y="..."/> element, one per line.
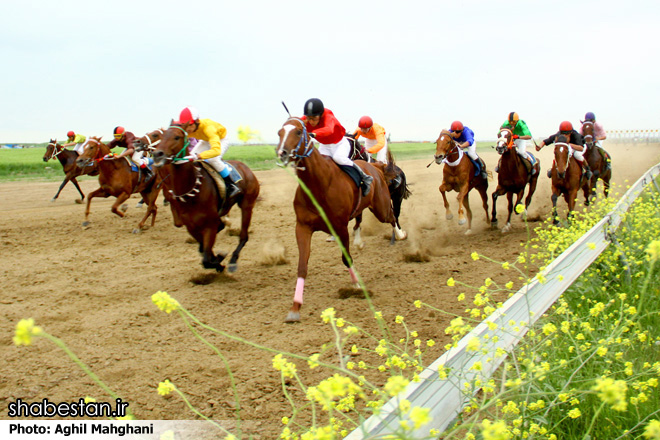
<point x="92" y="289"/>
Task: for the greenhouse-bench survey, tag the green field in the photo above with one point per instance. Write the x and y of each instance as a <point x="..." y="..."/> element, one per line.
<point x="27" y="163"/>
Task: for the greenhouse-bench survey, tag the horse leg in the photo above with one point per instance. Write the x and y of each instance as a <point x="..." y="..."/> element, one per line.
<point x="98" y="192"/>
<point x="304" y="240"/>
<point x="466" y="204"/>
<point x="398" y="234"/>
<point x="152" y="210"/>
<point x="209" y="259"/>
<point x="120" y="199"/>
<point x="507" y="226"/>
<point x="357" y="237"/>
<point x="530" y="193"/>
<point x="64" y="182"/>
<point x="484" y="202"/>
<point x="571" y="197"/>
<point x="75" y="183"/>
<point x="498" y="192"/>
<point x="554" y="197"/>
<point x="462" y="195"/>
<point x="606" y="183"/>
<point x="342" y="232"/>
<point x="444" y="188"/>
<point x="246" y="217"/>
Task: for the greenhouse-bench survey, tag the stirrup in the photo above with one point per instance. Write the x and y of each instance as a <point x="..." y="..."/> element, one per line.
<point x="232" y="190"/>
<point x="366" y="185"/>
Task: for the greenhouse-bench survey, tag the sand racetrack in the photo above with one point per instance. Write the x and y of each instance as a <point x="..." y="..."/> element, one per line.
<point x="92" y="289"/>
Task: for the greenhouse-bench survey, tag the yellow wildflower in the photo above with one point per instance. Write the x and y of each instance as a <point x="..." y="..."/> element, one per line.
<point x="475" y="256"/>
<point x="420" y="416"/>
<point x="25" y="329"/>
<point x="165" y="302"/>
<point x="165" y="388"/>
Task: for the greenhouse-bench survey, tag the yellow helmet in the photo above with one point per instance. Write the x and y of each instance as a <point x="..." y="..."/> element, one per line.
<point x="513" y="117"/>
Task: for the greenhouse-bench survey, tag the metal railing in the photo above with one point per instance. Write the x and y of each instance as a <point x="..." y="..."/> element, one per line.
<point x="447" y="397"/>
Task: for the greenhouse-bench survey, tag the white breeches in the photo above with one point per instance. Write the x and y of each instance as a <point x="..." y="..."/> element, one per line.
<point x="381" y="155"/>
<point x="79" y="148"/>
<point x="339" y="152"/>
<point x="578" y="155"/>
<point x="472" y="151"/>
<point x="215" y="162"/>
<point x="139" y="159"/>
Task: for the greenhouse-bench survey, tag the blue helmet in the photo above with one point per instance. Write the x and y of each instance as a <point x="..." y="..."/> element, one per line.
<point x="590" y="116"/>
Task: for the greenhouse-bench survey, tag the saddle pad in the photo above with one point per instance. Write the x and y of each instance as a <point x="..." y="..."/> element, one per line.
<point x="353" y="173"/>
<point x="219" y="181"/>
<point x="533" y="158"/>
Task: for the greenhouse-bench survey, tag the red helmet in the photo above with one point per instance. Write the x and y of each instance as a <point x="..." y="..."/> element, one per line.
<point x="119" y="131"/>
<point x="188" y="115"/>
<point x="565" y="126"/>
<point x="71" y="134"/>
<point x="456" y="126"/>
<point x="365" y="122"/>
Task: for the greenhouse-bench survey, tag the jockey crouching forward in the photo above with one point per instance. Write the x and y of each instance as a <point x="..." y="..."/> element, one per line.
<point x="375" y="138"/>
<point x="575" y="141"/>
<point x="211" y="146"/>
<point x="77" y="141"/>
<point x="521" y="135"/>
<point x="329" y="133"/>
<point x="126" y="140"/>
<point x="599" y="135"/>
<point x="464" y="137"/>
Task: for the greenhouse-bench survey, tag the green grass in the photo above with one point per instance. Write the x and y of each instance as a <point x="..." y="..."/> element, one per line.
<point x="27" y="163"/>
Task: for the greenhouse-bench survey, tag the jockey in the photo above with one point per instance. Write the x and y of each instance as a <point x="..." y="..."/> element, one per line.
<point x="375" y="140"/>
<point x="75" y="140"/>
<point x="211" y="146"/>
<point x="575" y="141"/>
<point x="464" y="136"/>
<point x="329" y="133"/>
<point x="521" y="135"/>
<point x="125" y="139"/>
<point x="599" y="135"/>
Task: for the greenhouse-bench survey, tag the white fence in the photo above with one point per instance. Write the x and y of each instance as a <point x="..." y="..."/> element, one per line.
<point x="634" y="136"/>
<point x="446" y="398"/>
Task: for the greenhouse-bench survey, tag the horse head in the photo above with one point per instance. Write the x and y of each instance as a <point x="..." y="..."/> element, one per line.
<point x="444" y="145"/>
<point x="149" y="141"/>
<point x="504" y="140"/>
<point x="588" y="130"/>
<point x="173" y="145"/>
<point x="51" y="150"/>
<point x="562" y="155"/>
<point x="91" y="151"/>
<point x="295" y="141"/>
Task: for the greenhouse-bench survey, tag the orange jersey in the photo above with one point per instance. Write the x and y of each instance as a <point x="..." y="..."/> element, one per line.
<point x="376" y="133"/>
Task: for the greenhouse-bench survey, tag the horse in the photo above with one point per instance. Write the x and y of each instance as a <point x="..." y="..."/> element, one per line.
<point x="118" y="180"/>
<point x="458" y="175"/>
<point x="567" y="178"/>
<point x="196" y="201"/>
<point x="337" y="194"/>
<point x="596" y="162"/>
<point x="513" y="178"/>
<point x="68" y="160"/>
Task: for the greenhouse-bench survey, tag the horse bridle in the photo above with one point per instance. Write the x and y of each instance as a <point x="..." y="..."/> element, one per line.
<point x="95" y="158"/>
<point x="450" y="152"/>
<point x="509" y="143"/>
<point x="304" y="140"/>
<point x="590" y="136"/>
<point x="55" y="152"/>
<point x="152" y="144"/>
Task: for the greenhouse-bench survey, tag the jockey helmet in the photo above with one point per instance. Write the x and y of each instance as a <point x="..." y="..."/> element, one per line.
<point x="565" y="127"/>
<point x="513" y="117"/>
<point x="456" y="126"/>
<point x="590" y="116"/>
<point x="119" y="132"/>
<point x="188" y="115"/>
<point x="365" y="122"/>
<point x="71" y="134"/>
<point x="313" y="107"/>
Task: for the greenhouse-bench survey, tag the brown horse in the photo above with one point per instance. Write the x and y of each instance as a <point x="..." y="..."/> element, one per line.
<point x="196" y="201"/>
<point x="339" y="197"/>
<point x="458" y="175"/>
<point x="567" y="177"/>
<point x="68" y="160"/>
<point x="118" y="180"/>
<point x="512" y="178"/>
<point x="596" y="161"/>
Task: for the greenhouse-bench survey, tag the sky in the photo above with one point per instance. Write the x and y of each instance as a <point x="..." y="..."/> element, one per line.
<point x="414" y="67"/>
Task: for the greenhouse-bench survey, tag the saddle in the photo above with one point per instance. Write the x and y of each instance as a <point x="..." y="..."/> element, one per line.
<point x="352" y="173"/>
<point x="220" y="182"/>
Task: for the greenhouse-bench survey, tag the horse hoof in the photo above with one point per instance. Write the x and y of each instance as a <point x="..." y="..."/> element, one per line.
<point x="449" y="216"/>
<point x="292" y="317"/>
<point x="85" y="224"/>
<point x="330" y="238"/>
<point x="219" y="268"/>
<point x="233" y="267"/>
<point x="78" y="201"/>
<point x="462" y="221"/>
<point x="468" y="232"/>
<point x="124" y="207"/>
<point x="493" y="225"/>
<point x="53" y="199"/>
<point x="506" y="229"/>
<point x="137" y="231"/>
<point x="139" y="205"/>
<point x="360" y="245"/>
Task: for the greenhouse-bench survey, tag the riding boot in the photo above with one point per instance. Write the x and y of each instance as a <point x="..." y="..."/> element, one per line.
<point x="232" y="188"/>
<point x="550" y="173"/>
<point x="366" y="180"/>
<point x="146" y="172"/>
<point x="482" y="164"/>
<point x="586" y="170"/>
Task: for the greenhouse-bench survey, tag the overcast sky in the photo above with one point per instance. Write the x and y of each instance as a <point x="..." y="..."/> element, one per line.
<point x="89" y="66"/>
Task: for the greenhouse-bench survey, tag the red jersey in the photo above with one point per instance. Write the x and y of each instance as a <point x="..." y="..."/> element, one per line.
<point x="328" y="130"/>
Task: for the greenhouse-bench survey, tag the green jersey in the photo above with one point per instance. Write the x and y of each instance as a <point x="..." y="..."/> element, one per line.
<point x="520" y="130"/>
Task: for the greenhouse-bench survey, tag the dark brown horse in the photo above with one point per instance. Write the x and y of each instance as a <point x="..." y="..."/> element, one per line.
<point x="512" y="178"/>
<point x="339" y="197"/>
<point x="118" y="180"/>
<point x="196" y="201"/>
<point x="458" y="175"/>
<point x="68" y="160"/>
<point x="567" y="177"/>
<point x="596" y="161"/>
